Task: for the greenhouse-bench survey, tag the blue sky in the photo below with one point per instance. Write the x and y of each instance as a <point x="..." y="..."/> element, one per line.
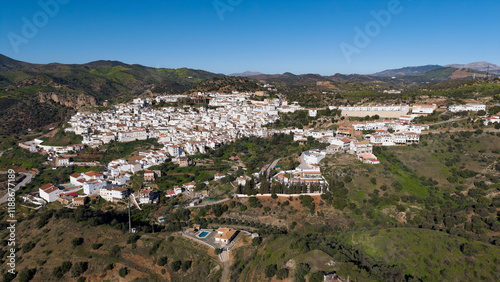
<point x="266" y="36"/>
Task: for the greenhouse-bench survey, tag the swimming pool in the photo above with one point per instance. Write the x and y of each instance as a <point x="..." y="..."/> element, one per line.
<point x="203" y="234"/>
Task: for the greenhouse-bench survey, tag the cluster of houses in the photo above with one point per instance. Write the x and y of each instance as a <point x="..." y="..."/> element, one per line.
<point x="181" y="130"/>
<point x="36" y="146"/>
<point x="307" y="173"/>
<point x="380" y="133"/>
<point x="492" y="119"/>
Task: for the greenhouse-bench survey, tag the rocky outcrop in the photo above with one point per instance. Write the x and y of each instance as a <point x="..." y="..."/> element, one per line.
<point x="68" y="100"/>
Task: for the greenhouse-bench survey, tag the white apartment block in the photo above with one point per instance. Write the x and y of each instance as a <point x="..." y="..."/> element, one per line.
<point x="467" y="108"/>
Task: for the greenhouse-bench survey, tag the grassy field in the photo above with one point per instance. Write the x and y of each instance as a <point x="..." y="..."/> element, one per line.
<point x="62" y="138"/>
<point x="431" y="255"/>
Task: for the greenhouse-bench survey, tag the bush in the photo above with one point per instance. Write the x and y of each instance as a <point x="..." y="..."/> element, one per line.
<point x="28" y="247"/>
<point x="79" y="268"/>
<point x="123" y="271"/>
<point x="254" y="202"/>
<point x="59" y="271"/>
<point x="271" y="270"/>
<point x="96" y="246"/>
<point x="76" y="242"/>
<point x="256" y="241"/>
<point x="162" y="261"/>
<point x="133" y="238"/>
<point x="274" y="196"/>
<point x="115" y="251"/>
<point x="176" y="265"/>
<point x="26" y="274"/>
<point x="302" y="270"/>
<point x="282" y="274"/>
<point x="186" y="265"/>
<point x="316" y="277"/>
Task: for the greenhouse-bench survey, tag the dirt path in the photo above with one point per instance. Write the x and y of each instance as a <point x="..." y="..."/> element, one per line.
<point x="226" y="264"/>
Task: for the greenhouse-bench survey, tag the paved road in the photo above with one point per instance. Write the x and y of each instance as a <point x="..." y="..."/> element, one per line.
<point x="273" y="164"/>
<point x="21" y="184"/>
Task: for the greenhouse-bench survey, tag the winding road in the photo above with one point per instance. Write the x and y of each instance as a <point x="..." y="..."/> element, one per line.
<point x="19" y="185"/>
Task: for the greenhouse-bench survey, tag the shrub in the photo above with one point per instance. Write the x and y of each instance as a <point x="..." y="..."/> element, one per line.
<point x="176" y="265"/>
<point x="115" y="251"/>
<point x="282" y="274"/>
<point x="302" y="270"/>
<point x="254" y="202"/>
<point x="59" y="271"/>
<point x="316" y="277"/>
<point x="186" y="265"/>
<point x="109" y="267"/>
<point x="162" y="261"/>
<point x="256" y="241"/>
<point x="79" y="268"/>
<point x="96" y="246"/>
<point x="28" y="247"/>
<point x="133" y="238"/>
<point x="26" y="274"/>
<point x="271" y="270"/>
<point x="76" y="242"/>
<point x="123" y="271"/>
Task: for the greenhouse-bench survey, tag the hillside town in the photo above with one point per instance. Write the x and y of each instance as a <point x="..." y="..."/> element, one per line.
<point x="186" y="130"/>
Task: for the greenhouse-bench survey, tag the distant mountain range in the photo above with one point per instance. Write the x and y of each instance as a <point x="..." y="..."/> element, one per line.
<point x="480" y="66"/>
<point x="477" y="66"/>
<point x="408" y="70"/>
<point x="246" y="74"/>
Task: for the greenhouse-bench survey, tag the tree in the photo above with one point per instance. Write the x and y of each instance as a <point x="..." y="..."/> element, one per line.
<point x="123" y="272"/>
<point x="282" y="274"/>
<point x="254" y="202"/>
<point x="186" y="265"/>
<point x="162" y="261"/>
<point x="77" y="242"/>
<point x="59" y="271"/>
<point x="176" y="265"/>
<point x="271" y="270"/>
<point x="316" y="277"/>
<point x="26" y="274"/>
<point x="302" y="270"/>
<point x="79" y="268"/>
